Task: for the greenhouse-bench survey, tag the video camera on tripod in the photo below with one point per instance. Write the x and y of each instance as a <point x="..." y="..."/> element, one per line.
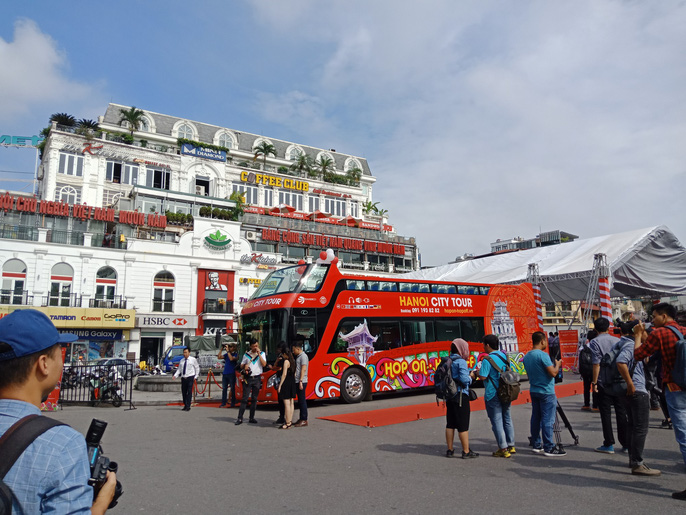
<point x="99" y="463"/>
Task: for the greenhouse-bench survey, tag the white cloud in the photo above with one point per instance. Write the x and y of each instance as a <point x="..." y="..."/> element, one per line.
<point x="503" y="119"/>
<point x="39" y="79"/>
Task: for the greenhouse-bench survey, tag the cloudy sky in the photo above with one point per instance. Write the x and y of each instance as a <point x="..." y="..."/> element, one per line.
<point x="480" y="120"/>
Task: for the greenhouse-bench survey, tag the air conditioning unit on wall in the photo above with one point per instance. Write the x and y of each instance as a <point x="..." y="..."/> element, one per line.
<point x="250" y="235"/>
<point x="199" y="190"/>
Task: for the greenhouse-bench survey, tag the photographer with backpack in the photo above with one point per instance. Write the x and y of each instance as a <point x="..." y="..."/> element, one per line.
<point x="664" y="338"/>
<point x="498" y="411"/>
<point x="457" y="408"/>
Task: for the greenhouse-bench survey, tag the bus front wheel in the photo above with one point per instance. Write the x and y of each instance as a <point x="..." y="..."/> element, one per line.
<point x="354" y="386"/>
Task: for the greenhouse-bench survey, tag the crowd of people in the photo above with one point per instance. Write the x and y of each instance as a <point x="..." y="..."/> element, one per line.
<point x="53" y="471"/>
<point x="619" y="372"/>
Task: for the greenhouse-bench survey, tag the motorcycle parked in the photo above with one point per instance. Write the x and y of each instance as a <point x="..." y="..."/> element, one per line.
<point x="105" y="386"/>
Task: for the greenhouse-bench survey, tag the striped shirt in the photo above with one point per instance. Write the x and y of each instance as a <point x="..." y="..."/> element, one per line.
<point x="51" y="476"/>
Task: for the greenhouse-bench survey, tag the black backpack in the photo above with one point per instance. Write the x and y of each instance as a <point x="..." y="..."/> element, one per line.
<point x="586" y="361"/>
<point x="679" y="369"/>
<point x="508" y="386"/>
<point x="12" y="445"/>
<point x="610" y="379"/>
<point x="444" y="384"/>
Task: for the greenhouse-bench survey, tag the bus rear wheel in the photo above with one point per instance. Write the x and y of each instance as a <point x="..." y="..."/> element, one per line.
<point x="354" y="386"/>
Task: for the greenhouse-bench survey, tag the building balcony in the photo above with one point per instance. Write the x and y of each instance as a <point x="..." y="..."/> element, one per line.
<point x="73" y="300"/>
<point x="116" y="302"/>
<point x="217" y="306"/>
<point x="16" y="298"/>
<point x="19" y="232"/>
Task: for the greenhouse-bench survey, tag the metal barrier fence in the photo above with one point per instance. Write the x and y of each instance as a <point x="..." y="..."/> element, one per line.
<point x="98" y="384"/>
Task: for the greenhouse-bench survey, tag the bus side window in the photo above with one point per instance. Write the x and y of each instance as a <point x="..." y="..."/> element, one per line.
<point x="423" y="288"/>
<point x="374" y="286"/>
<point x="405" y="287"/>
<point x="450" y="289"/>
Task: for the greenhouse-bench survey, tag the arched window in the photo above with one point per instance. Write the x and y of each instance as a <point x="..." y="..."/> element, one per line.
<point x="144" y="125"/>
<point x="61" y="279"/>
<point x="13" y="283"/>
<point x="351" y="164"/>
<point x="294" y="153"/>
<point x="226" y="140"/>
<point x="185" y="131"/>
<point x="67" y="194"/>
<point x="105" y="288"/>
<point x="163" y="293"/>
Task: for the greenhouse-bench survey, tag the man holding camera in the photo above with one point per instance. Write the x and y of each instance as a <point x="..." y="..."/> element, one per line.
<point x="52" y="474"/>
<point x="252" y="366"/>
<point x="230" y="356"/>
<point x="189" y="370"/>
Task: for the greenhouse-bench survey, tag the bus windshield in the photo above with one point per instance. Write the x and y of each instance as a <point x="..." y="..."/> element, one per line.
<point x="294" y="279"/>
<point x="267" y="327"/>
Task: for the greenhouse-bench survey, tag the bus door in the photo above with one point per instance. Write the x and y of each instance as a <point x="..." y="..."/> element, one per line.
<point x="305" y="324"/>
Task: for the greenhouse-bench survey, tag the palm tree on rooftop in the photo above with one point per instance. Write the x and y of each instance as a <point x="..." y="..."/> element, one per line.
<point x="264" y="149"/>
<point x="354" y="175"/>
<point x="63" y="119"/>
<point x="133" y="116"/>
<point x="324" y="165"/>
<point x="302" y="164"/>
<point x="83" y="123"/>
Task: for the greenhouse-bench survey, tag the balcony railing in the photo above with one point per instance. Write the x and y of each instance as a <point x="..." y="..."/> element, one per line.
<point x="73" y="300"/>
<point x="19" y="232"/>
<point x="164" y="306"/>
<point x="107" y="240"/>
<point x="66" y="237"/>
<point x="18" y="298"/>
<point x="217" y="306"/>
<point x="116" y="302"/>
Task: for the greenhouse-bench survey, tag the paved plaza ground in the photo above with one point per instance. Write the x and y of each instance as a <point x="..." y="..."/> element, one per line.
<point x="200" y="462"/>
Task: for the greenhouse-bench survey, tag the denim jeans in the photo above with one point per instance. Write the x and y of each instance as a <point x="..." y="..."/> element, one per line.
<point x="676" y="401"/>
<point x="638" y="416"/>
<point x="302" y="401"/>
<point x="229" y="380"/>
<point x="501" y="422"/>
<point x="542" y="420"/>
<point x="605" y="403"/>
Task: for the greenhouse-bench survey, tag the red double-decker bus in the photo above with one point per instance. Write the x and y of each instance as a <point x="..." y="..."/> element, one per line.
<point x="365" y="335"/>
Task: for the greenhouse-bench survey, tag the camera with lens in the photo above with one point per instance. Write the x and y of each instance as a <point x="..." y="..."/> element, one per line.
<point x="99" y="463"/>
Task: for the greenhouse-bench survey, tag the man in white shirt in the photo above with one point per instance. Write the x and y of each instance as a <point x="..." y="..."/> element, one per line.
<point x="255" y="361"/>
<point x="189" y="370"/>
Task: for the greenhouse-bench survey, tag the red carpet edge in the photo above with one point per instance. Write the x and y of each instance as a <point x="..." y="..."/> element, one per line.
<point x="402" y="414"/>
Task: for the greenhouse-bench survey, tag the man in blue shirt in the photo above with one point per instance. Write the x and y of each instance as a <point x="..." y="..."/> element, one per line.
<point x="498" y="413"/>
<point x="601" y="345"/>
<point x="636" y="401"/>
<point x="53" y="472"/>
<point x="541" y="373"/>
<point x="230" y="355"/>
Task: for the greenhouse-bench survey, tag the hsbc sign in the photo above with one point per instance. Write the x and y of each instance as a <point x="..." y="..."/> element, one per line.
<point x="171" y="322"/>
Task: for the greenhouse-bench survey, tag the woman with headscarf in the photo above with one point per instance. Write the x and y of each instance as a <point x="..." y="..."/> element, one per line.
<point x="457" y="415"/>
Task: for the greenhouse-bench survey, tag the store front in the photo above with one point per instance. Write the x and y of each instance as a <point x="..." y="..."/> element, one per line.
<point x="103" y="333"/>
<point x="159" y="332"/>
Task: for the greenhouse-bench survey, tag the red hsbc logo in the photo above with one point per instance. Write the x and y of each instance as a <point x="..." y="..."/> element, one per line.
<point x="179" y="321"/>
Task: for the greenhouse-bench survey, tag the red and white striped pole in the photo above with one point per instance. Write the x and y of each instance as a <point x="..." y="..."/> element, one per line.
<point x="535" y="280"/>
<point x="605" y="303"/>
<point x="539" y="306"/>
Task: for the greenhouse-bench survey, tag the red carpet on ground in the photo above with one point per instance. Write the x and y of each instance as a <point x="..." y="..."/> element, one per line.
<point x="399" y="415"/>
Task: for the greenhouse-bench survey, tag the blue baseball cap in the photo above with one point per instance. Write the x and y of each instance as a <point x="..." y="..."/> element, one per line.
<point x="27" y="331"/>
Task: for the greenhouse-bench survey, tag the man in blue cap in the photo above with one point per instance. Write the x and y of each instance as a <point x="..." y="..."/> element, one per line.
<point x="52" y="474"/>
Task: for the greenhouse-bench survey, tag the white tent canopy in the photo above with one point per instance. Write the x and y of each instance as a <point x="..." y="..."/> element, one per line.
<point x="642" y="262"/>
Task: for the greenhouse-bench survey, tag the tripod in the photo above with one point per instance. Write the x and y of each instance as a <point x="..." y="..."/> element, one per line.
<point x="557" y="429"/>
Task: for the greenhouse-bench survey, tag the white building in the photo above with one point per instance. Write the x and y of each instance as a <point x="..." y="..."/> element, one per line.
<point x="134" y="245"/>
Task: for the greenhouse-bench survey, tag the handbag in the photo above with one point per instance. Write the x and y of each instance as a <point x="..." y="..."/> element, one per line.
<point x="472" y="395"/>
